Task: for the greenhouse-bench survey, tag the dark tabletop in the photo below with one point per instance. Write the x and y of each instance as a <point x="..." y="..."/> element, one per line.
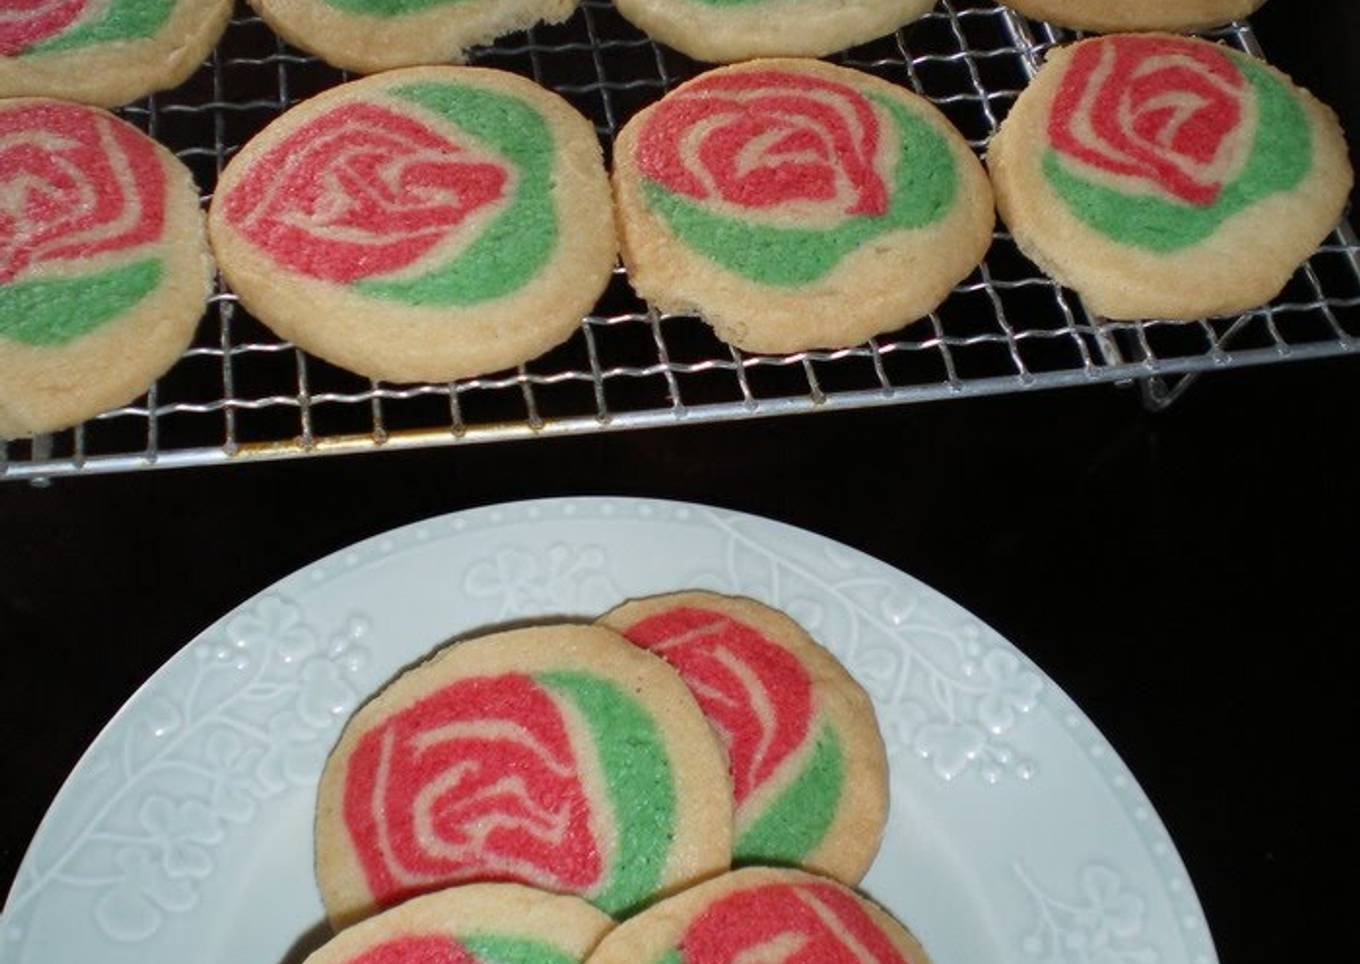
<point x="1188" y="577"/>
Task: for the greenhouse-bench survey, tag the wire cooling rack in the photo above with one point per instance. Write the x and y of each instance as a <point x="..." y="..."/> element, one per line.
<point x="241" y="394"/>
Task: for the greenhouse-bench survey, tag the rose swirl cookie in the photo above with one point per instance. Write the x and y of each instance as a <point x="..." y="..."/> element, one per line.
<point x="562" y="757"/>
<point x="372" y="35"/>
<point x="724" y="31"/>
<point x="104" y="52"/>
<point x="1165" y="177"/>
<point x="1110" y="16"/>
<point x="795" y="204"/>
<point x="809" y="772"/>
<point x="473" y="924"/>
<point x="420" y="225"/>
<point x="104" y="266"/>
<point x="764" y="915"/>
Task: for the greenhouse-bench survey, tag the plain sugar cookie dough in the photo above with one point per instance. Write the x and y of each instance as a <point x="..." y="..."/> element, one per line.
<point x="1112" y="16"/>
<point x="367" y="36"/>
<point x="726" y="31"/>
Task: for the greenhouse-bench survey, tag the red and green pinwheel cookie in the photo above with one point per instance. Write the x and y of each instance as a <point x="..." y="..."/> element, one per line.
<point x="765" y="915"/>
<point x="103" y="263"/>
<point x="473" y="924"/>
<point x="1165" y="177"/>
<point x="809" y="772"/>
<point x="1109" y="16"/>
<point x="372" y="35"/>
<point x="423" y="224"/>
<point x="562" y="757"/>
<point x="726" y="31"/>
<point x="794" y="204"/>
<point x="104" y="52"/>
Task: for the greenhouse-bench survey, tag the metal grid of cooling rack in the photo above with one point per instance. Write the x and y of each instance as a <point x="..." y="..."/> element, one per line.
<point x="240" y="394"/>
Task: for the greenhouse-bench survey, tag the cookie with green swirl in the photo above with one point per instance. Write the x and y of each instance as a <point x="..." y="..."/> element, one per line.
<point x="104" y="266"/>
<point x="1112" y="16"/>
<point x="1166" y="177"/>
<point x="562" y="757"/>
<point x="794" y="204"/>
<point x="473" y="924"/>
<point x="809" y="772"/>
<point x="104" y="52"/>
<point x="367" y="36"/>
<point x="726" y="31"/>
<point x="423" y="224"/>
<point x="766" y="915"/>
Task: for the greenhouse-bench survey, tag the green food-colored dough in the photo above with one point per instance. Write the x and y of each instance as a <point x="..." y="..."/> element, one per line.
<point x="1280" y="158"/>
<point x="388" y="8"/>
<point x="53" y="312"/>
<point x="122" y="20"/>
<point x="641" y="789"/>
<point x="799" y="818"/>
<point x="496" y="949"/>
<point x="923" y="190"/>
<point x="518" y="243"/>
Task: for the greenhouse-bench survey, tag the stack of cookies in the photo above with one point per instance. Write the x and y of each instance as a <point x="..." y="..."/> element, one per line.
<point x="514" y="796"/>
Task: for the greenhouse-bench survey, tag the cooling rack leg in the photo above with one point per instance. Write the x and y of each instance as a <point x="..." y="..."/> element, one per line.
<point x="41" y="452"/>
<point x="1159" y="395"/>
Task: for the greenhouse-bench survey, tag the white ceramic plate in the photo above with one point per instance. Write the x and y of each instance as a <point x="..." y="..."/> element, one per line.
<point x="1016" y="833"/>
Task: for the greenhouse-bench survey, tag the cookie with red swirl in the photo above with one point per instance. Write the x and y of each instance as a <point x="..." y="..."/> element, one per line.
<point x="1112" y="16"/>
<point x="726" y="31"/>
<point x="104" y="52"/>
<point x="424" y="224"/>
<point x="104" y="268"/>
<point x="809" y="772"/>
<point x="1166" y="177"/>
<point x="794" y="204"/>
<point x="367" y="36"/>
<point x="473" y="924"/>
<point x="561" y="757"/>
<point x="766" y="915"/>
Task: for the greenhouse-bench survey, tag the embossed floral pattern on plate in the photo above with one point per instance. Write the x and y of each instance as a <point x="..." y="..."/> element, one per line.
<point x="1015" y="834"/>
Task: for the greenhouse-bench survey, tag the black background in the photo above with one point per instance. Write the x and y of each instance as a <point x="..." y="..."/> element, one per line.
<point x="1188" y="577"/>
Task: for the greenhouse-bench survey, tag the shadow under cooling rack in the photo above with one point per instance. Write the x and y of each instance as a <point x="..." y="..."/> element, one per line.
<point x="241" y="394"/>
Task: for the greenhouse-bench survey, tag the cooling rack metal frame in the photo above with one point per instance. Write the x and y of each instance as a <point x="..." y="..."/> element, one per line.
<point x="239" y="394"/>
